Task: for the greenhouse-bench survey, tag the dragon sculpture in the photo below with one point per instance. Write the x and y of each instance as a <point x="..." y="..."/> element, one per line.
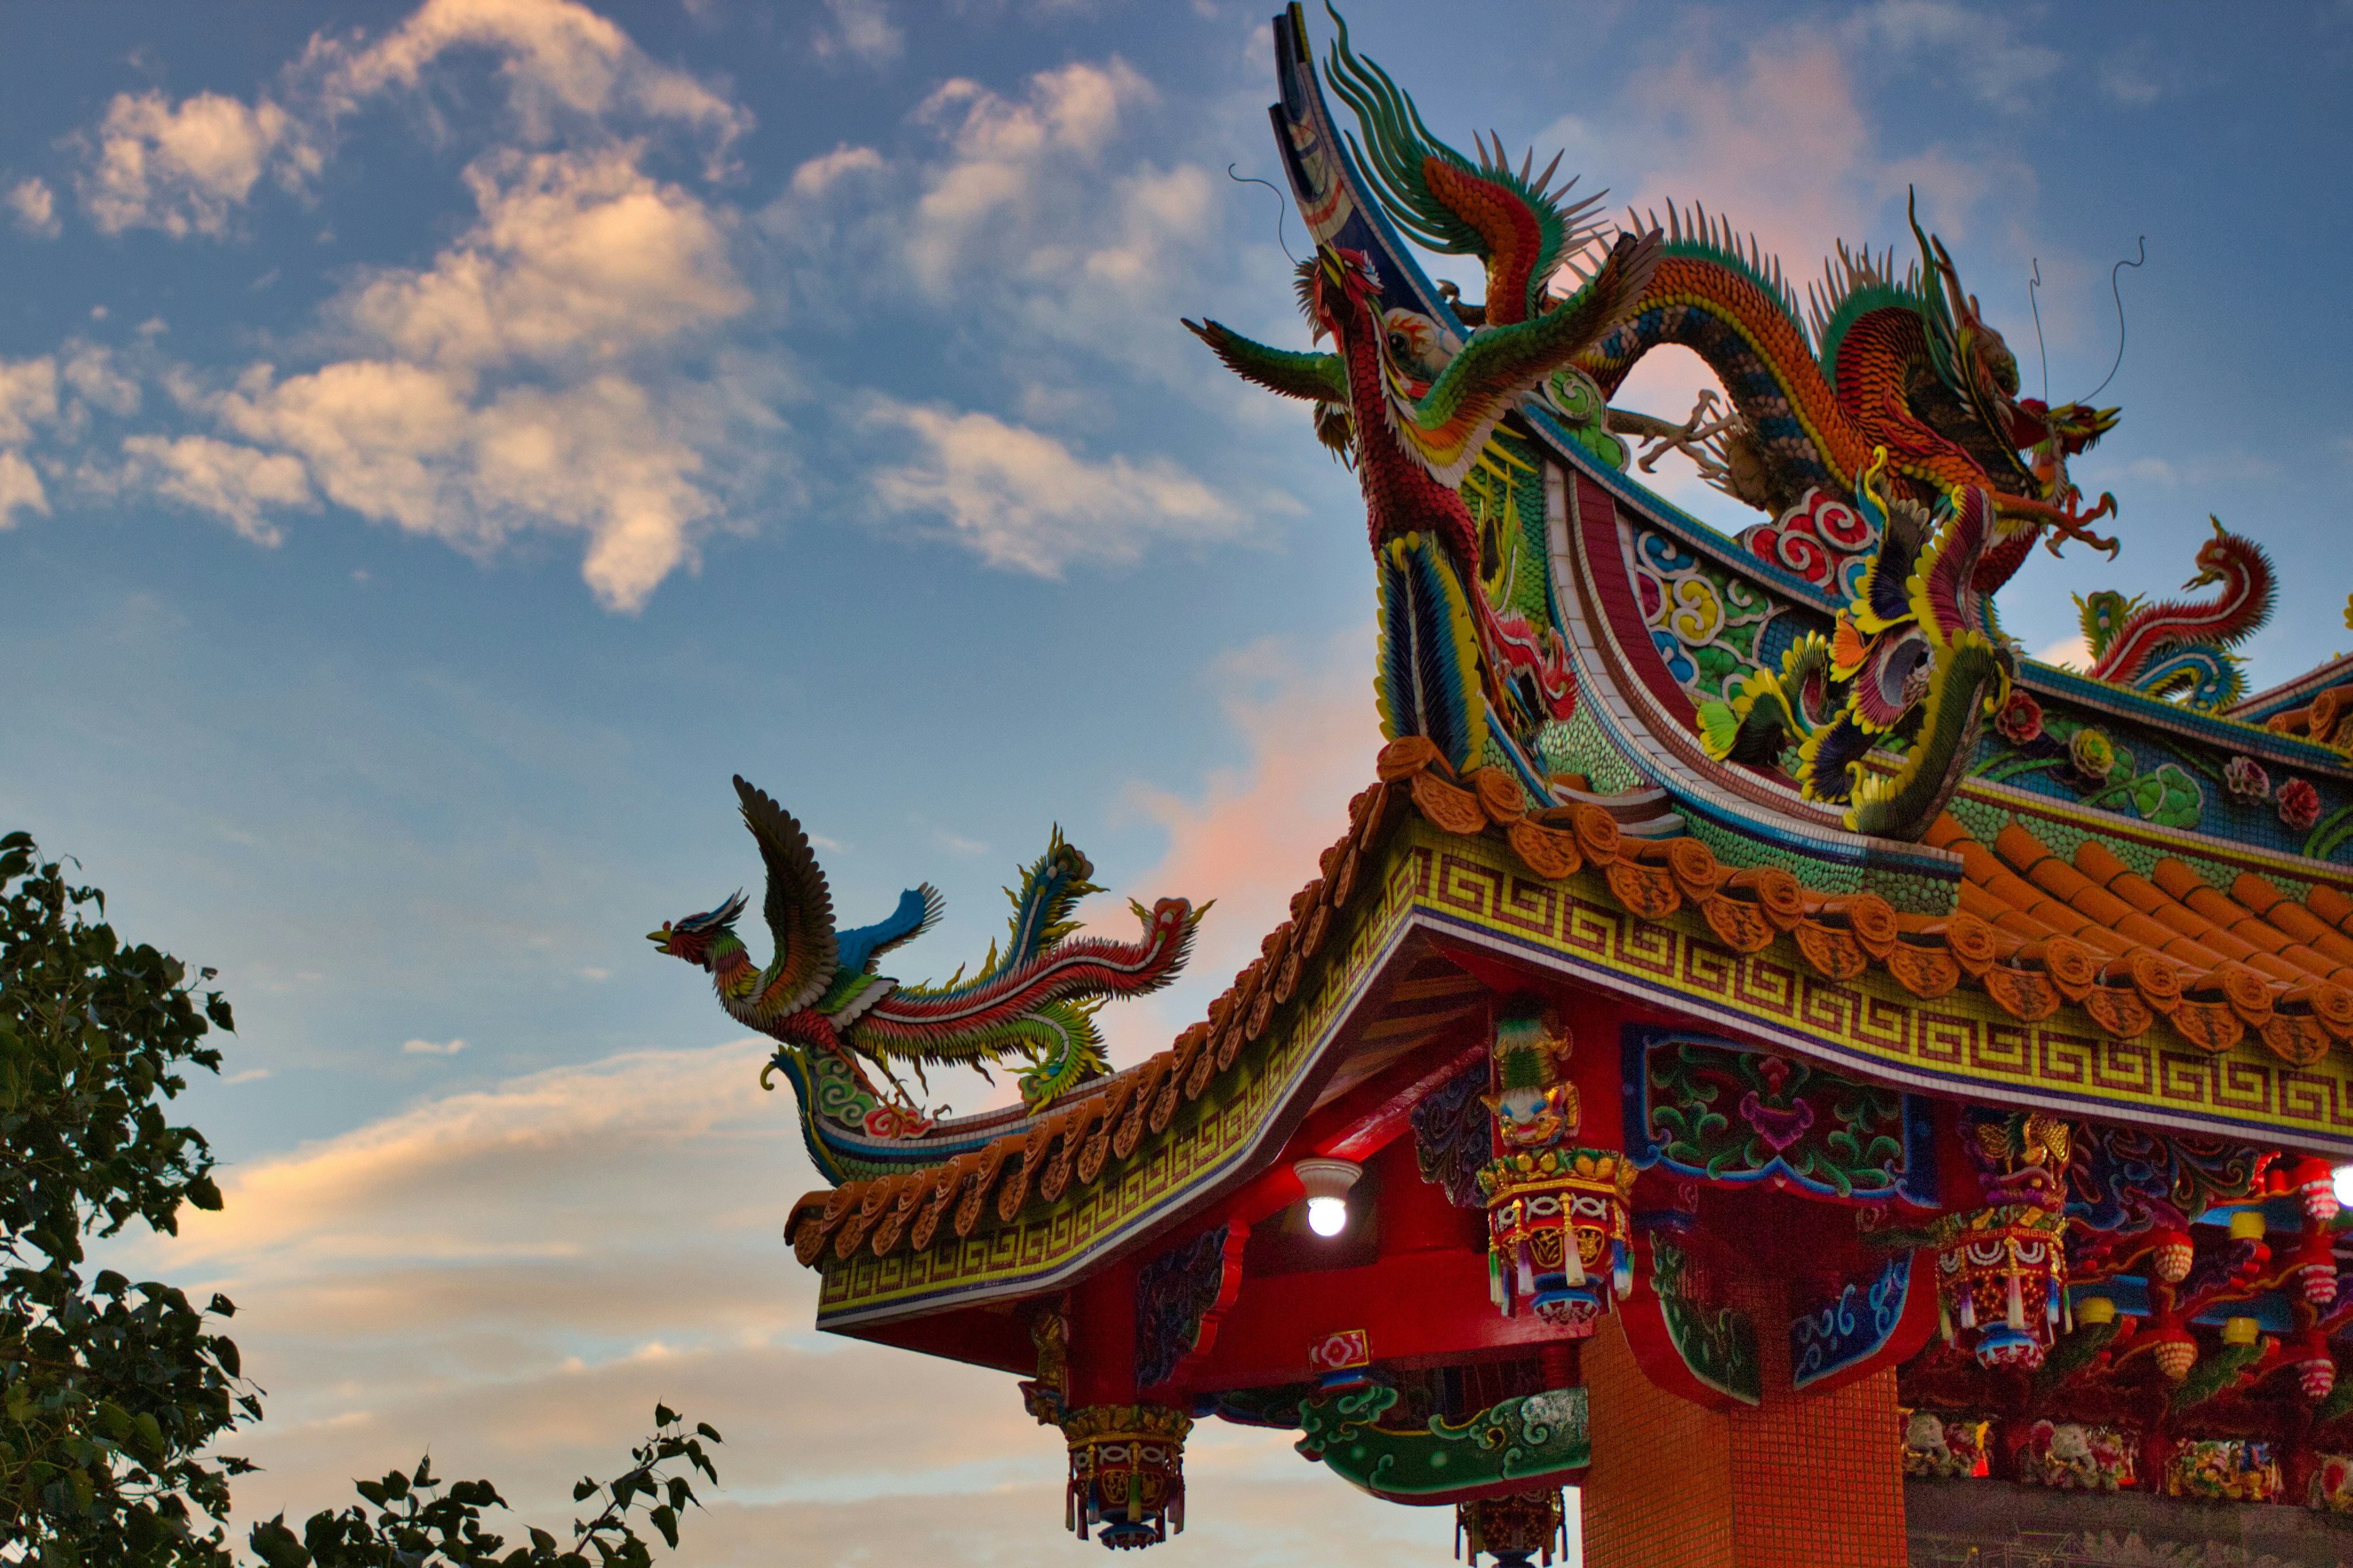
<point x="1923" y="663"/>
<point x="2183" y="650"/>
<point x="1908" y="365"/>
<point x="1414" y="423"/>
<point x="822" y="998"/>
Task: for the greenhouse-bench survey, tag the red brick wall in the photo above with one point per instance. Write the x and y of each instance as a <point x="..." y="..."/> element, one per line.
<point x="1658" y="1493"/>
<point x="1802" y="1481"/>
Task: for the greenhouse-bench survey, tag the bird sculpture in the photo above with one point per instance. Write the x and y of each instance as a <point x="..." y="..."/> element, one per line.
<point x="1414" y="419"/>
<point x="823" y="999"/>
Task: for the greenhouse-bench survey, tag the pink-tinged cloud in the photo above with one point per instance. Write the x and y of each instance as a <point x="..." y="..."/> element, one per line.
<point x="510" y="1278"/>
<point x="1249" y="838"/>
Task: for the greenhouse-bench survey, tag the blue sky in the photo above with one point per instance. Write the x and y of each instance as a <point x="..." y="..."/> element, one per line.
<point x="438" y="445"/>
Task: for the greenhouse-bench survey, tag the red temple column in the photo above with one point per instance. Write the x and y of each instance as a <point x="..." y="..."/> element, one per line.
<point x="1802" y="1481"/>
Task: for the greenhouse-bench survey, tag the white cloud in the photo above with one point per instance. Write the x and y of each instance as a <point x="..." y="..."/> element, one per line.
<point x="819" y="174"/>
<point x="556" y="56"/>
<point x="598" y="458"/>
<point x="1978" y="47"/>
<point x="89" y="370"/>
<point x="863" y="30"/>
<point x="431" y="1047"/>
<point x="36" y="206"/>
<point x="1002" y="152"/>
<point x="20" y="488"/>
<point x="185" y="168"/>
<point x="399" y="443"/>
<point x="28" y="396"/>
<point x="2074" y="652"/>
<point x="574" y="254"/>
<point x="237" y="483"/>
<point x="376" y="433"/>
<point x="1021" y="500"/>
<point x="491" y="397"/>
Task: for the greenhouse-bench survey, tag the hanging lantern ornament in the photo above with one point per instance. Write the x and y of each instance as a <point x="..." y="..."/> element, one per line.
<point x="1558" y="1234"/>
<point x="2171" y="1257"/>
<point x="2316" y="1183"/>
<point x="1557" y="1224"/>
<point x="1518" y="1530"/>
<point x="2002" y="1281"/>
<point x="2316" y="1268"/>
<point x="2175" y="1352"/>
<point x="2316" y="1369"/>
<point x="1127" y="1473"/>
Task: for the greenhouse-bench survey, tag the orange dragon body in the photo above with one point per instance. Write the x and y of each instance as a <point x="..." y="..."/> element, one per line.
<point x="1905" y="365"/>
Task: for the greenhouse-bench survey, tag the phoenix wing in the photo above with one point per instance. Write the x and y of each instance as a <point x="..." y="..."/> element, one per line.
<point x="1451" y="422"/>
<point x="799" y="907"/>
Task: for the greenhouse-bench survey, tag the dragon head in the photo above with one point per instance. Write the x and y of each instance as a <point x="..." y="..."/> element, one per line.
<point x="2216" y="556"/>
<point x="1345" y="278"/>
<point x="693" y="938"/>
<point x="2072" y="428"/>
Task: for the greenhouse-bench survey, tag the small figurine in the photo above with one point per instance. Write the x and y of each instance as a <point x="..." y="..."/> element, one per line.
<point x="1535" y="1106"/>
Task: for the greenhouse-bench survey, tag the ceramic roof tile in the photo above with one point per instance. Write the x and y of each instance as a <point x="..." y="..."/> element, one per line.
<point x="2029" y="927"/>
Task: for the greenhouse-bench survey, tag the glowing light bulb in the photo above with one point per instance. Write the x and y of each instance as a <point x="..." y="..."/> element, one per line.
<point x="1326" y="1183"/>
<point x="2341" y="1179"/>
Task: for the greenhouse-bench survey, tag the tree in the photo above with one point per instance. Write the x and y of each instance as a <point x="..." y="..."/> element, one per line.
<point x="115" y="1392"/>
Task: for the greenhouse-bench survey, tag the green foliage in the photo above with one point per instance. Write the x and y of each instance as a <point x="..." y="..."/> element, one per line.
<point x="410" y="1522"/>
<point x="111" y="1393"/>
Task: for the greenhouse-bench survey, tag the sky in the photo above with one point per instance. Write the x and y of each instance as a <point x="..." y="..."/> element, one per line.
<point x="440" y="444"/>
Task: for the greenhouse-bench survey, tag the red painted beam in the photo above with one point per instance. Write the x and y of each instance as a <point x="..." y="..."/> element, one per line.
<point x="1418" y="1307"/>
<point x="1356" y="1126"/>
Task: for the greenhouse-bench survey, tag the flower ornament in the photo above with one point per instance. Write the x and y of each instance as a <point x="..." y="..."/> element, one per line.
<point x="2247" y="780"/>
<point x="2094" y="754"/>
<point x="2299" y="804"/>
<point x="2020" y="721"/>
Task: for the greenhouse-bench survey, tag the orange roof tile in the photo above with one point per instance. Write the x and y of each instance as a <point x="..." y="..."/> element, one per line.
<point x="2032" y="930"/>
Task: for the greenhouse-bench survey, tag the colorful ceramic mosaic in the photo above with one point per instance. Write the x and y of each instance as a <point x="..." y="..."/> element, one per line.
<point x="1532" y="1439"/>
<point x="1717" y="1111"/>
<point x="1717" y="1343"/>
<point x="1854" y="1324"/>
<point x="1179" y="1296"/>
<point x="1963" y="1042"/>
<point x="1454" y="1136"/>
<point x="1707" y="624"/>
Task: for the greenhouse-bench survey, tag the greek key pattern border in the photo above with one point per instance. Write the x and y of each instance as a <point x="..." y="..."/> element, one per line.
<point x="1960" y="1044"/>
<point x="1203" y="1144"/>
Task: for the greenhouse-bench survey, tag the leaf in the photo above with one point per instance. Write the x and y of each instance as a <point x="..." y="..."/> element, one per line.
<point x="665" y="1416"/>
<point x="277" y="1546"/>
<point x="665" y="1519"/>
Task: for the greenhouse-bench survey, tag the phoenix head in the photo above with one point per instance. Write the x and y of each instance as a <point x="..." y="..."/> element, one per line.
<point x="693" y="938"/>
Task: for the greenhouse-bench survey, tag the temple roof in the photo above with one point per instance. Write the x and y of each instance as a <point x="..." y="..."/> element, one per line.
<point x="2032" y="931"/>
